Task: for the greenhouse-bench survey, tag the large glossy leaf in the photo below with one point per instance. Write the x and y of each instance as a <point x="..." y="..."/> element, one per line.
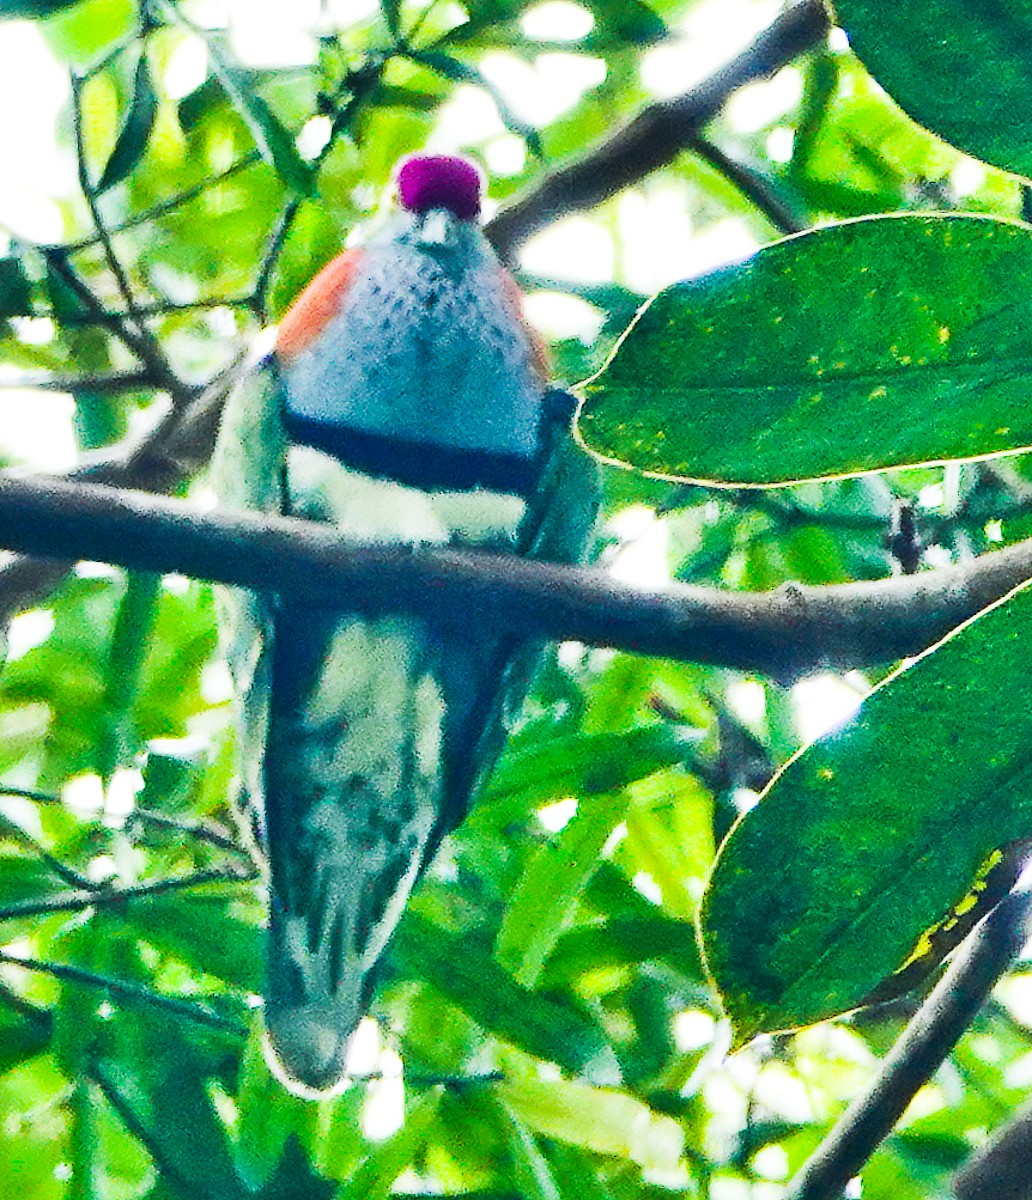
<point x="869" y="837"/>
<point x="859" y="346"/>
<point x="960" y="67"/>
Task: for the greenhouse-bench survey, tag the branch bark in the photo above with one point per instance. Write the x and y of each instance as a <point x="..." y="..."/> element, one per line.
<point x="999" y="1170"/>
<point x="928" y="1039"/>
<point x="175" y="448"/>
<point x="785" y="633"/>
<point x="656" y="135"/>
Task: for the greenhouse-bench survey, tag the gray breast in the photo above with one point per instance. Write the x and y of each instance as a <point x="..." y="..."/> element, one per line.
<point x="426" y="349"/>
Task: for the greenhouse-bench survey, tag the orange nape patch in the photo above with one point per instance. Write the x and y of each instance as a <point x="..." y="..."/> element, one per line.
<point x="539" y="355"/>
<point x="317" y="305"/>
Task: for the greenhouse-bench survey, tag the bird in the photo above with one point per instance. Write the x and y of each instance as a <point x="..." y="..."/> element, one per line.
<point x="406" y="401"/>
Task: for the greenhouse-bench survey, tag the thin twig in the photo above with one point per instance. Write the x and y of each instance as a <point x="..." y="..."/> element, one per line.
<point x="68" y="874"/>
<point x="924" y="1045"/>
<point x="116" y="381"/>
<point x="158" y="308"/>
<point x="164" y="207"/>
<point x="164" y="377"/>
<point x="753" y="185"/>
<point x="203" y="831"/>
<point x="656" y="135"/>
<point x="143" y="342"/>
<point x="362" y="83"/>
<point x="90" y="195"/>
<point x="783" y="633"/>
<point x="79" y="901"/>
<point x="188" y="1010"/>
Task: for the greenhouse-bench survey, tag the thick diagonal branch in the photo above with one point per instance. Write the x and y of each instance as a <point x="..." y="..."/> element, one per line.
<point x="657" y="134"/>
<point x="784" y="633"/>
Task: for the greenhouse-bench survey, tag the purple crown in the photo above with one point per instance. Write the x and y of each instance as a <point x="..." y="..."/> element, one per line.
<point x="440" y="181"/>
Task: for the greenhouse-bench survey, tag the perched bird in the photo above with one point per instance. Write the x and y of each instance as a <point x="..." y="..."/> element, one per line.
<point x="407" y="403"/>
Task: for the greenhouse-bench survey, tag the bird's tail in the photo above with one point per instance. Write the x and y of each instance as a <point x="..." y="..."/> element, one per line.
<point x="352" y="783"/>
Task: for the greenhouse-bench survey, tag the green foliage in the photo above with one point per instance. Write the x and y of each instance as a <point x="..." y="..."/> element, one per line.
<point x="853" y="348"/>
<point x="136" y="131"/>
<point x="546" y="1026"/>
<point x="971" y="87"/>
<point x="869" y="837"/>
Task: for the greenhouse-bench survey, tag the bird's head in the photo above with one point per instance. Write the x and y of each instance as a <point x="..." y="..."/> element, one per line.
<point x="442" y="195"/>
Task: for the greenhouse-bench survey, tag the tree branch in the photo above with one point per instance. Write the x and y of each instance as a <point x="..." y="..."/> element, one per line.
<point x="80" y="901"/>
<point x="65" y="873"/>
<point x="927" y="1040"/>
<point x="785" y="633"/>
<point x="110" y="383"/>
<point x="1000" y="1168"/>
<point x="191" y="827"/>
<point x="177" y="446"/>
<point x="136" y="994"/>
<point x="656" y="135"/>
<point x="755" y="186"/>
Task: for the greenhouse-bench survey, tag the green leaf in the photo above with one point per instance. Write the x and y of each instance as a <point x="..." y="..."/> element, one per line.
<point x="391" y="10"/>
<point x="960" y="67"/>
<point x="852" y="348"/>
<point x="870" y="837"/>
<point x="546" y="896"/>
<point x="33" y="8"/>
<point x="273" y="139"/>
<point x="626" y="941"/>
<point x="135" y="133"/>
<point x="530" y="1168"/>
<point x="119" y="743"/>
<point x="205" y="930"/>
<point x="273" y="1126"/>
<point x="375" y="1178"/>
<point x="295" y="1177"/>
<point x="25" y="1030"/>
<point x="631" y="22"/>
<point x="158" y="1085"/>
<point x="15" y="289"/>
<point x="85" y="1110"/>
<point x="83" y="32"/>
<point x="582" y="764"/>
<point x="602" y="1120"/>
<point x="465" y="974"/>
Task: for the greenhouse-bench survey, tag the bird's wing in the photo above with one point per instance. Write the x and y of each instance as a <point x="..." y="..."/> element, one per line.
<point x="247" y="475"/>
<point x="486" y="673"/>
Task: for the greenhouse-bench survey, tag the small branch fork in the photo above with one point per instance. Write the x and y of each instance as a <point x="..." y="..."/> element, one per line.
<point x="785" y="633"/>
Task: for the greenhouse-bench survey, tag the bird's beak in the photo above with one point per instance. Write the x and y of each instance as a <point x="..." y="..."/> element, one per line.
<point x="438" y="229"/>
